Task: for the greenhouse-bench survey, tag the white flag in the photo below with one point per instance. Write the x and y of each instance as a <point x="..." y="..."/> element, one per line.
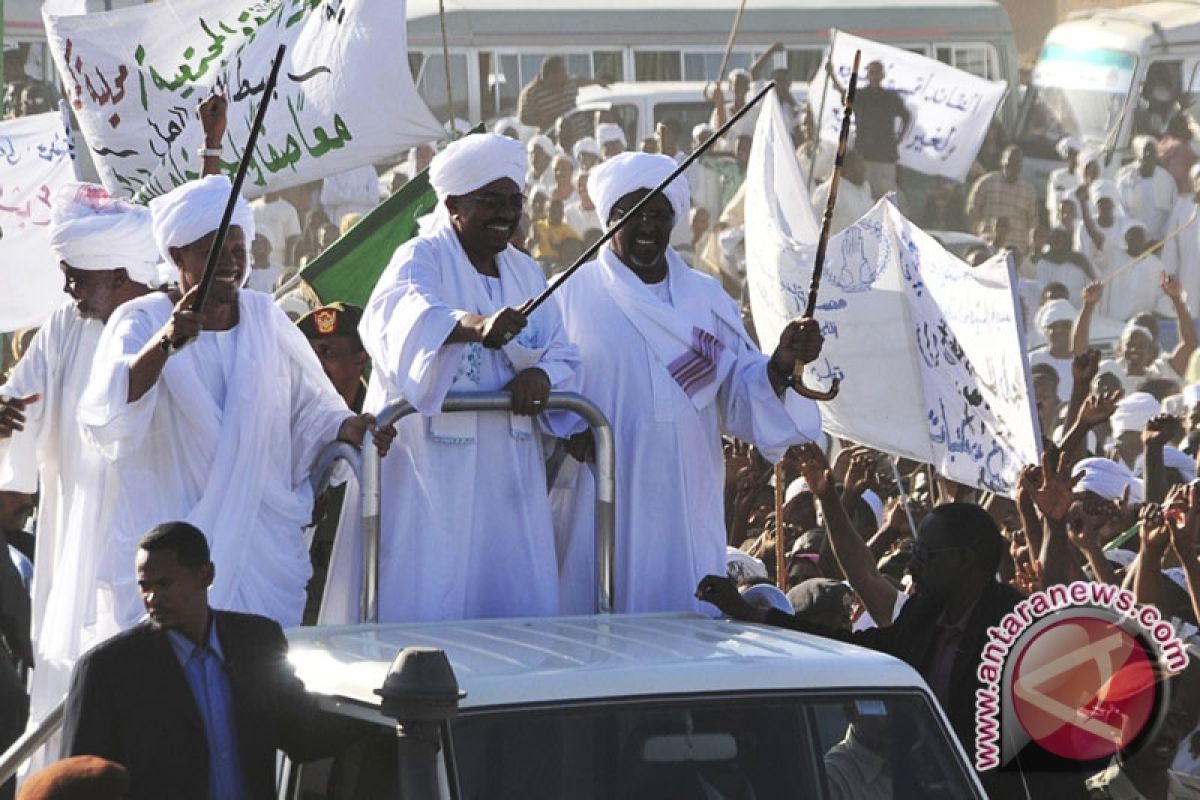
<point x="951" y="109"/>
<point x="345" y="95"/>
<point x="930" y="351"/>
<point x="35" y="160"/>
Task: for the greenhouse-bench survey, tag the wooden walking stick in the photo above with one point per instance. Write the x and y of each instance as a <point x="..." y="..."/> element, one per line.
<point x="780" y="554"/>
<point x="826" y="228"/>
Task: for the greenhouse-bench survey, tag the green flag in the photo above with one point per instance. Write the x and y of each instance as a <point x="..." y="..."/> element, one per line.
<point x="348" y="270"/>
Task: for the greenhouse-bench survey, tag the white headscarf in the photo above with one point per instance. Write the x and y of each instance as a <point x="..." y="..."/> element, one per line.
<point x="192" y="211"/>
<point x="610" y="132"/>
<point x="586" y="145"/>
<point x="92" y="230"/>
<point x="1107" y="479"/>
<point x="795" y="488"/>
<point x="1057" y="310"/>
<point x="470" y="163"/>
<point x="543" y="143"/>
<point x="505" y="123"/>
<point x="1134" y="412"/>
<point x="629" y="172"/>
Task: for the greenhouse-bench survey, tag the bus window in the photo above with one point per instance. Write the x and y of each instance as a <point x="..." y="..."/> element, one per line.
<point x="704" y="66"/>
<point x="432" y="85"/>
<point x="608" y="64"/>
<point x="688" y="115"/>
<point x="657" y="65"/>
<point x="977" y="59"/>
<point x="802" y="65"/>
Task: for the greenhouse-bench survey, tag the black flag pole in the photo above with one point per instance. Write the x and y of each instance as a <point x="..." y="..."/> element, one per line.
<point x="528" y="307"/>
<point x="239" y="178"/>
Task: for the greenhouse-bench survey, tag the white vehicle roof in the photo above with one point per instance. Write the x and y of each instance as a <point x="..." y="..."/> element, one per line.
<point x="662" y="91"/>
<point x="1133" y="27"/>
<point x="507" y="662"/>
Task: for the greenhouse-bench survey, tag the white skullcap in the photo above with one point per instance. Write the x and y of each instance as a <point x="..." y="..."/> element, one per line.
<point x="1133" y="412"/>
<point x="610" y="132"/>
<point x="875" y="504"/>
<point x="1107" y="479"/>
<point x="766" y="595"/>
<point x="1140" y="142"/>
<point x="1191" y="394"/>
<point x="586" y="145"/>
<point x="629" y="172"/>
<point x="505" y="123"/>
<point x="741" y="566"/>
<point x="796" y="487"/>
<point x="1132" y="327"/>
<point x="1101" y="188"/>
<point x="702" y="129"/>
<point x="1067" y="144"/>
<point x="1057" y="310"/>
<point x="475" y="161"/>
<point x="543" y="143"/>
<point x="1173" y="458"/>
<point x="92" y="230"/>
<point x="192" y="211"/>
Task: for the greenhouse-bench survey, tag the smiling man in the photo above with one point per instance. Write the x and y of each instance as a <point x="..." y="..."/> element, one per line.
<point x="670" y="364"/>
<point x="222" y="434"/>
<point x="466" y="528"/>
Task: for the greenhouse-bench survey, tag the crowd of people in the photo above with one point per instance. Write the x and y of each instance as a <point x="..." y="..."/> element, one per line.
<point x="167" y="450"/>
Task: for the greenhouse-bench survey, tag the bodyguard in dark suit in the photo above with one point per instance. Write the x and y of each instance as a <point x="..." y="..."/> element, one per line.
<point x="194" y="702"/>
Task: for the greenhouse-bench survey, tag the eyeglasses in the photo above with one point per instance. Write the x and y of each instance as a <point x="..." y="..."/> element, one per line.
<point x="926" y="554"/>
<point x="652" y="217"/>
<point x="494" y="201"/>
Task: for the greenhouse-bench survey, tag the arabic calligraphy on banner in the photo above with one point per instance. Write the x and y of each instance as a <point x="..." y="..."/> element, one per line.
<point x="345" y="96"/>
<point x="931" y="351"/>
<point x="36" y="158"/>
<point x="951" y="109"/>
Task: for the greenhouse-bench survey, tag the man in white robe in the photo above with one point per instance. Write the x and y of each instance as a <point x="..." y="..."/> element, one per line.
<point x="1136" y="289"/>
<point x="466" y="526"/>
<point x="854" y="194"/>
<point x="1181" y="255"/>
<point x="669" y="363"/>
<point x="105" y="249"/>
<point x="1148" y="192"/>
<point x="221" y="434"/>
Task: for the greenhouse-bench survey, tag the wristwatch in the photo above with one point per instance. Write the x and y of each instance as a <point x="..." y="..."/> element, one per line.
<point x="165" y="345"/>
<point x="786" y="378"/>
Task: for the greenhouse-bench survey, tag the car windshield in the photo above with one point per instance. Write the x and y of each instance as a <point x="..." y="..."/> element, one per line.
<point x="812" y="746"/>
<point x="1075" y="92"/>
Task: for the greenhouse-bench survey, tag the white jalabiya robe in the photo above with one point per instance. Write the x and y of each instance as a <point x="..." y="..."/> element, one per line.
<point x="1148" y="199"/>
<point x="224" y="440"/>
<point x="1181" y="255"/>
<point x="1136" y="289"/>
<point x="73" y="507"/>
<point x="466" y="527"/>
<point x="1103" y="259"/>
<point x="670" y="515"/>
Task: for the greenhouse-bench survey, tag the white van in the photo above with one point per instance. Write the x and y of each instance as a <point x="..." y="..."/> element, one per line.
<point x="1091" y="78"/>
<point x="635" y="707"/>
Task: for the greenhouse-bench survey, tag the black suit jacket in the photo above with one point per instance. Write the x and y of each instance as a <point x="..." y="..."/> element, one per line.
<point x="130" y="702"/>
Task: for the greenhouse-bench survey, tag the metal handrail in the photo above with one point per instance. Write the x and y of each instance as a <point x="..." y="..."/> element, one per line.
<point x="32" y="740"/>
<point x="496" y="401"/>
<point x="326" y="462"/>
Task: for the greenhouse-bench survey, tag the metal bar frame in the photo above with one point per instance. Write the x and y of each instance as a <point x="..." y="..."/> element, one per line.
<point x="31" y="741"/>
<point x="605" y="474"/>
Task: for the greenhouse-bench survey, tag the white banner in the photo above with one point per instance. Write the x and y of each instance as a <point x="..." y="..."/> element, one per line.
<point x="345" y="95"/>
<point x="930" y="351"/>
<point x="951" y="109"/>
<point x="35" y="160"/>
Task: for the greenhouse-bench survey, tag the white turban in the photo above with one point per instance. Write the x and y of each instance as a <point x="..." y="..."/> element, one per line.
<point x="1134" y="412"/>
<point x="1088" y="155"/>
<point x="1173" y="458"/>
<point x="629" y="172"/>
<point x="1101" y="189"/>
<point x="586" y="145"/>
<point x="1107" y="479"/>
<point x="765" y="595"/>
<point x="505" y="123"/>
<point x="1131" y="328"/>
<point x="475" y="161"/>
<point x="92" y="230"/>
<point x="543" y="143"/>
<point x="610" y="132"/>
<point x="703" y="129"/>
<point x="741" y="566"/>
<point x="1191" y="394"/>
<point x="795" y="488"/>
<point x="192" y="211"/>
<point x="1066" y="145"/>
<point x="1057" y="310"/>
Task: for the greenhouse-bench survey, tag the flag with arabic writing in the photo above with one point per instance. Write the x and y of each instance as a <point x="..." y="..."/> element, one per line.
<point x="348" y="270"/>
<point x="950" y="109"/>
<point x="345" y="96"/>
<point x="930" y="351"/>
<point x="36" y="158"/>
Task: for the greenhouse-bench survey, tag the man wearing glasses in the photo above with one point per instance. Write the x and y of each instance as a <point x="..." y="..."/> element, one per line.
<point x="669" y="362"/>
<point x="467" y="529"/>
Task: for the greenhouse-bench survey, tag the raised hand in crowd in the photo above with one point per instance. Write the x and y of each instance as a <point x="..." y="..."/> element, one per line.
<point x="1183" y="522"/>
<point x="1090" y="523"/>
<point x="1084" y="368"/>
<point x="1053" y="496"/>
<point x="1159" y="432"/>
<point x="860" y="475"/>
<point x="12" y="413"/>
<point x="1155" y="537"/>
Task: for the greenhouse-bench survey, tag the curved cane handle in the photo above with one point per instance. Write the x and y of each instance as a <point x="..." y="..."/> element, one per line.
<point x="817" y="394"/>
